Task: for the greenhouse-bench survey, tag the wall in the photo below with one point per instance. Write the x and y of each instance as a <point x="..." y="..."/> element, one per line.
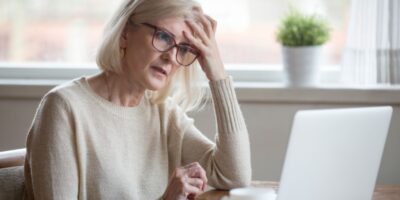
<point x="268" y="112"/>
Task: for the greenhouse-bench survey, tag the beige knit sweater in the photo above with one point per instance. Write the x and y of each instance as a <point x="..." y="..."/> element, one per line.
<point x="81" y="146"/>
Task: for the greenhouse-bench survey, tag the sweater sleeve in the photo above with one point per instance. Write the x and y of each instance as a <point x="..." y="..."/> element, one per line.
<point x="51" y="166"/>
<point x="227" y="162"/>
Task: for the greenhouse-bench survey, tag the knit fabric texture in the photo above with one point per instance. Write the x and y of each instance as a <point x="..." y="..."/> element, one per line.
<point x="81" y="146"/>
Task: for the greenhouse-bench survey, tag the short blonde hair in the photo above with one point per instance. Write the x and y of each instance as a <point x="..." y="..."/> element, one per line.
<point x="185" y="87"/>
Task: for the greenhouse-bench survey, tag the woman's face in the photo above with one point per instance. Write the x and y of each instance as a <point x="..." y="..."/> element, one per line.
<point x="143" y="64"/>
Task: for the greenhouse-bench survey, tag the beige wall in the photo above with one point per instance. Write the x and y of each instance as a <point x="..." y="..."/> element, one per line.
<point x="268" y="122"/>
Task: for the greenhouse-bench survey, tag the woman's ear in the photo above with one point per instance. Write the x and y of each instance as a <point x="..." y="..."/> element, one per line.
<point x="123" y="40"/>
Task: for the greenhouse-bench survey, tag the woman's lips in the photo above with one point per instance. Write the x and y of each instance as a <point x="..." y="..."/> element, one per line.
<point x="160" y="70"/>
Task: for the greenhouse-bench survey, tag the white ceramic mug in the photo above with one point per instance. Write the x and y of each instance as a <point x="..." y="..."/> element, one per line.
<point x="250" y="193"/>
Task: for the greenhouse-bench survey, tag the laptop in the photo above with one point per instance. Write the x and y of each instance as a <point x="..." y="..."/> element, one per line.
<point x="334" y="154"/>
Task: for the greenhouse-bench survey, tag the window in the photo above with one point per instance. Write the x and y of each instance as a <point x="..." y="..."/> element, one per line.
<point x="67" y="32"/>
<point x="247" y="28"/>
<point x="52" y="31"/>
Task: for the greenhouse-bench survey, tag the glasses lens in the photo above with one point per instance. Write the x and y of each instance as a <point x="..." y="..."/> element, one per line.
<point x="163" y="41"/>
<point x="186" y="54"/>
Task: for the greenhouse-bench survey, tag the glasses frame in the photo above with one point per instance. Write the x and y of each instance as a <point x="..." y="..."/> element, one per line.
<point x="178" y="46"/>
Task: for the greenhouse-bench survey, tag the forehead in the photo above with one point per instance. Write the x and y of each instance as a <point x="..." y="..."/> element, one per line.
<point x="175" y="25"/>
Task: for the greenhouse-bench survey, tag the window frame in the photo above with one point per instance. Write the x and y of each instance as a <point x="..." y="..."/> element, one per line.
<point x="251" y="73"/>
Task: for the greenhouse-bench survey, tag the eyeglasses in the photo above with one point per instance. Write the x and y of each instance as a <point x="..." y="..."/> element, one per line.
<point x="164" y="41"/>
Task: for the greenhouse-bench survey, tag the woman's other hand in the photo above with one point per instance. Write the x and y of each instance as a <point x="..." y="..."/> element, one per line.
<point x="186" y="183"/>
<point x="203" y="38"/>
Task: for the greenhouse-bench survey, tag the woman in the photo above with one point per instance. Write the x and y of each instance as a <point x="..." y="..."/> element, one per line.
<point x="123" y="133"/>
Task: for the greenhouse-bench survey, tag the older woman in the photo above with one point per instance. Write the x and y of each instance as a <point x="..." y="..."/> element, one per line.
<point x="124" y="133"/>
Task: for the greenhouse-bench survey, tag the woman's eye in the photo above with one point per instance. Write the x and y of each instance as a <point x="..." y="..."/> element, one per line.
<point x="183" y="50"/>
<point x="165" y="37"/>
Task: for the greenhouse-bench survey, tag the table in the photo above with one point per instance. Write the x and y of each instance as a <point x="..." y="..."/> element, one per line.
<point x="382" y="192"/>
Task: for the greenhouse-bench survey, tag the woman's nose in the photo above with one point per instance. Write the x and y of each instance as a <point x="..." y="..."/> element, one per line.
<point x="170" y="56"/>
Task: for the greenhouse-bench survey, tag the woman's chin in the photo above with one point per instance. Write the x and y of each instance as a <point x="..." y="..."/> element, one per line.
<point x="155" y="84"/>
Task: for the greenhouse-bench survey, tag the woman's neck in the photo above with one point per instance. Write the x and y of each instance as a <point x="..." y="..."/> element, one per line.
<point x="122" y="91"/>
<point x="117" y="89"/>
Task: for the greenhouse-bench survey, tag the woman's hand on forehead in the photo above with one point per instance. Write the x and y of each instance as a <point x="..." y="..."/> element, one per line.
<point x="203" y="38"/>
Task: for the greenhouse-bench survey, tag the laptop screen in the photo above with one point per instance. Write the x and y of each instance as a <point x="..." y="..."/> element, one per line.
<point x="334" y="154"/>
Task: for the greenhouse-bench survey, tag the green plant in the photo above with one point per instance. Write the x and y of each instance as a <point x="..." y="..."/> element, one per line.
<point x="297" y="29"/>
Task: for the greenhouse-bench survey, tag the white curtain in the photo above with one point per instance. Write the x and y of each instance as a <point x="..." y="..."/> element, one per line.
<point x="372" y="52"/>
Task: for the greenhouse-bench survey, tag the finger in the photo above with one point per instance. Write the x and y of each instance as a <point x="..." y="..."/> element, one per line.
<point x="195" y="170"/>
<point x="199" y="171"/>
<point x="179" y="172"/>
<point x="195" y="41"/>
<point x="196" y="182"/>
<point x="198" y="31"/>
<point x="191" y="190"/>
<point x="213" y="23"/>
<point x="207" y="26"/>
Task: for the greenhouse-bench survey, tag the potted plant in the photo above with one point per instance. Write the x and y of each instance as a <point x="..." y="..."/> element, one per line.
<point x="302" y="37"/>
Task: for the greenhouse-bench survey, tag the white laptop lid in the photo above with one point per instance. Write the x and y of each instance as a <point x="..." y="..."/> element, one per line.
<point x="334" y="154"/>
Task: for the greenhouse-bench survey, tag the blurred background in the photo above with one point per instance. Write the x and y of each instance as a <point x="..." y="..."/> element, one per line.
<point x="68" y="31"/>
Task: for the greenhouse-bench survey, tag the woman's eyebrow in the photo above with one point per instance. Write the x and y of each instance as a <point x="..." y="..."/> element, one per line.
<point x="166" y="30"/>
<point x="173" y="35"/>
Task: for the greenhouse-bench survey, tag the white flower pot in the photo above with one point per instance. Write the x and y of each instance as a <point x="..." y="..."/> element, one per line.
<point x="301" y="65"/>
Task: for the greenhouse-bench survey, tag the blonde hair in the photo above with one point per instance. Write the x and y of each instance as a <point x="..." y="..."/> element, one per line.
<point x="185" y="87"/>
